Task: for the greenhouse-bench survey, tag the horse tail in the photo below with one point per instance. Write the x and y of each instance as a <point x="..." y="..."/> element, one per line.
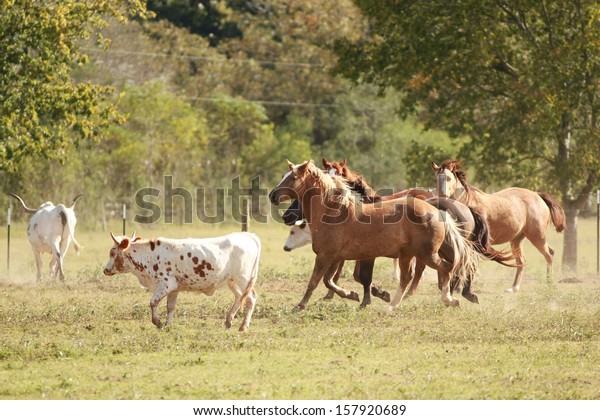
<point x="465" y="260"/>
<point x="480" y="237"/>
<point x="556" y="211"/>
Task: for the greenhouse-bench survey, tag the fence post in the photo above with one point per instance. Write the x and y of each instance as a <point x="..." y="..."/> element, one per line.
<point x="8" y="243"/>
<point x="244" y="215"/>
<point x="124" y="217"/>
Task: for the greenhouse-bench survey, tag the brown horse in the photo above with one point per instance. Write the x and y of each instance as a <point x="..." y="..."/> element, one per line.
<point x="358" y="183"/>
<point x="345" y="230"/>
<point x="473" y="225"/>
<point x="512" y="214"/>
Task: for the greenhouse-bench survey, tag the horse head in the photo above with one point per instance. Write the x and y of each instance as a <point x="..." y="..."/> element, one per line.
<point x="336" y="168"/>
<point x="448" y="177"/>
<point x="290" y="184"/>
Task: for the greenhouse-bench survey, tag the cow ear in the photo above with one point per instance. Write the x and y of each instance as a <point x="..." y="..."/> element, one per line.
<point x="434" y="166"/>
<point x="124" y="244"/>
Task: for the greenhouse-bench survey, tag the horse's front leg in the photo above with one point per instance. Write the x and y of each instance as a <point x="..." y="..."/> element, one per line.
<point x="333" y="287"/>
<point x="322" y="266"/>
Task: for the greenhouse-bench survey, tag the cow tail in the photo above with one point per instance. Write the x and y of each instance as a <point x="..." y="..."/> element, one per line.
<point x="254" y="274"/>
<point x="70" y="229"/>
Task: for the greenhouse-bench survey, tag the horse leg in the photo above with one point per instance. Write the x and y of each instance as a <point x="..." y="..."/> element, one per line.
<point x="516" y="246"/>
<point x="443" y="269"/>
<point x="548" y="253"/>
<point x="322" y="265"/>
<point x="396" y="265"/>
<point x="366" y="278"/>
<point x="336" y="278"/>
<point x="466" y="291"/>
<point x="406" y="275"/>
<point x="419" y="267"/>
<point x="337" y="289"/>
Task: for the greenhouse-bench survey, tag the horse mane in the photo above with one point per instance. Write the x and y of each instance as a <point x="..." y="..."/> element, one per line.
<point x="335" y="188"/>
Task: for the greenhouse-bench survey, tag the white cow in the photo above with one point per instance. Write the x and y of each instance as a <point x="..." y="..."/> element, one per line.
<point x="169" y="266"/>
<point x="51" y="229"/>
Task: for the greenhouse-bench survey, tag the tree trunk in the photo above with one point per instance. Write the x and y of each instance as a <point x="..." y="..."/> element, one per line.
<point x="569" y="258"/>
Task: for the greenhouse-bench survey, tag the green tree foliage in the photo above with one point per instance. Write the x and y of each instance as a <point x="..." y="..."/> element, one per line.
<point x="519" y="78"/>
<point x="42" y="111"/>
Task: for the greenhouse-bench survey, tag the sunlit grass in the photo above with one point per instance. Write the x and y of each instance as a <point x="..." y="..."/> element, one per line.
<point x="91" y="337"/>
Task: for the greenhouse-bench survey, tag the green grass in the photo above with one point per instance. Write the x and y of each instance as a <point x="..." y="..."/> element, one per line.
<point x="91" y="337"/>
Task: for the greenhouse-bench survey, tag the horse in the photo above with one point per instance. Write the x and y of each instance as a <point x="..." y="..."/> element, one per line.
<point x="473" y="225"/>
<point x="300" y="235"/>
<point x="512" y="214"/>
<point x="358" y="183"/>
<point x="345" y="230"/>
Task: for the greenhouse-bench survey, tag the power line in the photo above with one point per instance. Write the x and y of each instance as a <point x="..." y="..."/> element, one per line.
<point x="264" y="102"/>
<point x="215" y="59"/>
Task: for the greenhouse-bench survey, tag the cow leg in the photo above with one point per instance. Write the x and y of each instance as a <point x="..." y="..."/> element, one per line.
<point x="322" y="264"/>
<point x="171" y="303"/>
<point x="38" y="264"/>
<point x="164" y="289"/>
<point x="58" y="257"/>
<point x="237" y="303"/>
<point x="250" y="305"/>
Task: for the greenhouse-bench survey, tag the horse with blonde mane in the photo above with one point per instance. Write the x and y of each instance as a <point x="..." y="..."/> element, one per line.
<point x="343" y="229"/>
<point x="512" y="214"/>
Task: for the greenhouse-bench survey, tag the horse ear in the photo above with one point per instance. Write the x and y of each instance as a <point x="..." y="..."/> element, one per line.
<point x="326" y="164"/>
<point x="343" y="163"/>
<point x="290" y="164"/>
<point x="457" y="165"/>
<point x="434" y="166"/>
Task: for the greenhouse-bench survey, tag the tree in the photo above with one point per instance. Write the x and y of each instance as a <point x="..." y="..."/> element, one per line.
<point x="519" y="78"/>
<point x="42" y="111"/>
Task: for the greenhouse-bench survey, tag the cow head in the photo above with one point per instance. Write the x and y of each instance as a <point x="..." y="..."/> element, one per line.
<point x="117" y="262"/>
<point x="299" y="236"/>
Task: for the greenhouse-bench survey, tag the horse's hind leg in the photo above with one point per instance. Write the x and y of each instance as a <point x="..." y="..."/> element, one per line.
<point x="548" y="253"/>
<point x="418" y="267"/>
<point x="406" y="275"/>
<point x="516" y="246"/>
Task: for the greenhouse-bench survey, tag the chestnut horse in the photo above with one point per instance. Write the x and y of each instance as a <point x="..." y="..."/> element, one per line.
<point x="512" y="214"/>
<point x="473" y="225"/>
<point x="345" y="230"/>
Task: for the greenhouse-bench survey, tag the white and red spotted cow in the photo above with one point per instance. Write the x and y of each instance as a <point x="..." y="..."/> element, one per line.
<point x="51" y="229"/>
<point x="169" y="266"/>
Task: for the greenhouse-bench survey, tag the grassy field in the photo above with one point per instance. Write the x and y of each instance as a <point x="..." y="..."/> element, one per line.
<point x="91" y="337"/>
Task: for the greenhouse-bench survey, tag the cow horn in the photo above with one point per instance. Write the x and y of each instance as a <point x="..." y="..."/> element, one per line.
<point x="75" y="200"/>
<point x="27" y="209"/>
<point x="114" y="239"/>
<point x="133" y="237"/>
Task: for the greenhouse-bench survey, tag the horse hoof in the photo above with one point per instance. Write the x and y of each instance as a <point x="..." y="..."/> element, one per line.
<point x="298" y="308"/>
<point x="354" y="296"/>
<point x="511" y="290"/>
<point x="327" y="297"/>
<point x="391" y="308"/>
<point x="472" y="298"/>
